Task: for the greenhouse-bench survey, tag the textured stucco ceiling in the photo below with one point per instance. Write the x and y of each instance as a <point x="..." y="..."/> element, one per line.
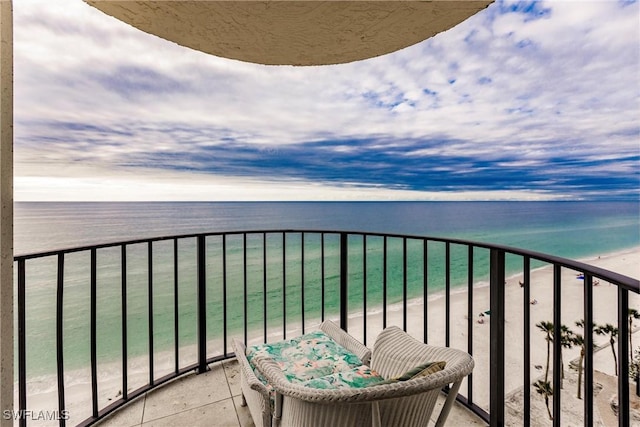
<point x="293" y="32"/>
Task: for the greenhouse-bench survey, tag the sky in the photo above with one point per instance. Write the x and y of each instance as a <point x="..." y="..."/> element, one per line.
<point x="523" y="101"/>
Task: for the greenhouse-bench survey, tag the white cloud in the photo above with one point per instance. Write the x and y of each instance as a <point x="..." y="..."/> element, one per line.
<point x="498" y="83"/>
<point x="152" y="185"/>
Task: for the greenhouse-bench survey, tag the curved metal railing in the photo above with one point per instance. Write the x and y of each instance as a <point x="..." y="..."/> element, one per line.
<point x="166" y="306"/>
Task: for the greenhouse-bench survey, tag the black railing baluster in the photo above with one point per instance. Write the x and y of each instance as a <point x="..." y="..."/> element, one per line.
<point x="244" y="286"/>
<point x="150" y="309"/>
<point x="404" y="284"/>
<point x="264" y="284"/>
<point x="322" y="273"/>
<point x="224" y="294"/>
<point x="496" y="333"/>
<point x="123" y="296"/>
<point x="384" y="282"/>
<point x="302" y="279"/>
<point x="344" y="272"/>
<point x="588" y="350"/>
<point x="59" y="337"/>
<point x="425" y="289"/>
<point x="447" y="295"/>
<point x="364" y="289"/>
<point x="624" y="408"/>
<point x="93" y="334"/>
<point x="22" y="343"/>
<point x="470" y="318"/>
<point x="526" y="307"/>
<point x="557" y="343"/>
<point x="202" y="304"/>
<point x="176" y="314"/>
<point x="284" y="286"/>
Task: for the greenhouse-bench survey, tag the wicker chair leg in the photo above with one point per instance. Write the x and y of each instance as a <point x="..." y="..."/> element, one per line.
<point x="448" y="404"/>
<point x="375" y="415"/>
<point x="243" y="400"/>
<point x="277" y="411"/>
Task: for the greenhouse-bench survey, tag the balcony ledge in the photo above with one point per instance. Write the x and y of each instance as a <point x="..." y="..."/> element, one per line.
<point x="293" y="32"/>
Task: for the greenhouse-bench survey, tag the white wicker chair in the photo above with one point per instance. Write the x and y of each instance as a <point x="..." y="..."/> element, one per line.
<point x="254" y="393"/>
<point x="403" y="403"/>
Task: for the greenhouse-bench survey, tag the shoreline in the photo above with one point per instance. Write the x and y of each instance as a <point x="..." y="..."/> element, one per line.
<point x="623" y="262"/>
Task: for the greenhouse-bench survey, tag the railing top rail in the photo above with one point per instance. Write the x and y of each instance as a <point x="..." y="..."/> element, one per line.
<point x="625" y="282"/>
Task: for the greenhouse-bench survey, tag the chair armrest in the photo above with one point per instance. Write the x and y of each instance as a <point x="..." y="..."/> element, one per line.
<point x="347" y="341"/>
<point x="241" y="355"/>
<point x="281" y="385"/>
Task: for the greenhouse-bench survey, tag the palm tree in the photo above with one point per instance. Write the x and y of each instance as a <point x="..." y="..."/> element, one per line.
<point x="612" y="331"/>
<point x="543" y="388"/>
<point x="547" y="328"/>
<point x="633" y="314"/>
<point x="579" y="340"/>
<point x="634" y="370"/>
<point x="566" y="341"/>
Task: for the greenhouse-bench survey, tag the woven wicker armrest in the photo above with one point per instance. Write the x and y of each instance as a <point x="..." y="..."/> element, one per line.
<point x="346" y="341"/>
<point x="241" y="356"/>
<point x="276" y="378"/>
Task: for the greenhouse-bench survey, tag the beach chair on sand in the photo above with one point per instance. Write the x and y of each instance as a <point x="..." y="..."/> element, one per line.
<point x="399" y="388"/>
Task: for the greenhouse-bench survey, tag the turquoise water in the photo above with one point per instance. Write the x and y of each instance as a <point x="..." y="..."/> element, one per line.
<point x="572" y="230"/>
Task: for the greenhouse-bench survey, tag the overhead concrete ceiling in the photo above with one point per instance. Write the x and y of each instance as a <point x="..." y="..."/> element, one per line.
<point x="293" y="32"/>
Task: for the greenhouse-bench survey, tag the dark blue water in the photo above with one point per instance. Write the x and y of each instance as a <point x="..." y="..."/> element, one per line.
<point x="569" y="229"/>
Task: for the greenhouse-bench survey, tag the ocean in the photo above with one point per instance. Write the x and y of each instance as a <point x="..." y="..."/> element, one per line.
<point x="569" y="229"/>
<point x="574" y="230"/>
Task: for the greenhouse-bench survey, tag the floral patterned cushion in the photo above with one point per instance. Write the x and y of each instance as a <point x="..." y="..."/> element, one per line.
<point x="304" y="358"/>
<point x="309" y="356"/>
<point x="359" y="377"/>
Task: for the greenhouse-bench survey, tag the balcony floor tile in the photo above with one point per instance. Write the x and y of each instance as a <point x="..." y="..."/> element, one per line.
<point x="220" y="413"/>
<point x="213" y="399"/>
<point x="127" y="416"/>
<point x="187" y="393"/>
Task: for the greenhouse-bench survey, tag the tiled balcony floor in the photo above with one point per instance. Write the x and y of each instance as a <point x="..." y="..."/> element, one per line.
<point x="213" y="399"/>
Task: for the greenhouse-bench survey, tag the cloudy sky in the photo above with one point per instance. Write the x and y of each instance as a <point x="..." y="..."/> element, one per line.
<point x="524" y="101"/>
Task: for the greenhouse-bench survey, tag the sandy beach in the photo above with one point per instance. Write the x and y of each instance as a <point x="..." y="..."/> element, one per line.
<point x="42" y="394"/>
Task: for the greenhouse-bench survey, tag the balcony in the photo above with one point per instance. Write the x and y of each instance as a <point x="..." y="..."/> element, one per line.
<point x="140" y="331"/>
